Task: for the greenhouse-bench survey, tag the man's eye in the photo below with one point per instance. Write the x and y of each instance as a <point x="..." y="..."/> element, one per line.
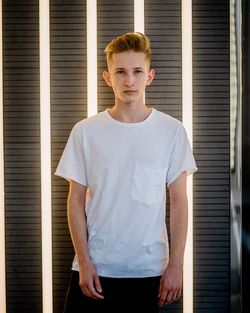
<point x="138" y="71"/>
<point x="120" y="72"/>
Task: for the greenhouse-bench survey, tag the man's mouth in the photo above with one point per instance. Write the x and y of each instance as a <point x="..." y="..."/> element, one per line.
<point x="130" y="92"/>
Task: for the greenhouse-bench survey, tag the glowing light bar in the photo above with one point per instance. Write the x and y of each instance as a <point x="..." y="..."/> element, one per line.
<point x="45" y="155"/>
<point x="139" y="16"/>
<point x="92" y="106"/>
<point x="2" y="206"/>
<point x="187" y="105"/>
<point x="139" y="21"/>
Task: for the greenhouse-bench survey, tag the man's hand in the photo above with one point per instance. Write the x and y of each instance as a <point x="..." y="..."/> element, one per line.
<point x="89" y="281"/>
<point x="170" y="285"/>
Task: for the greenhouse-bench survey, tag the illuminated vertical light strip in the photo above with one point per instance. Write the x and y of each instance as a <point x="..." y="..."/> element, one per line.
<point x="139" y="16"/>
<point x="2" y="206"/>
<point x="139" y="21"/>
<point x="92" y="106"/>
<point x="45" y="155"/>
<point x="187" y="105"/>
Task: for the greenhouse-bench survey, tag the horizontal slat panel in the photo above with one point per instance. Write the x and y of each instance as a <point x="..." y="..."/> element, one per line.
<point x="22" y="155"/>
<point x="163" y="26"/>
<point x="211" y="148"/>
<point x="113" y="18"/>
<point x="68" y="105"/>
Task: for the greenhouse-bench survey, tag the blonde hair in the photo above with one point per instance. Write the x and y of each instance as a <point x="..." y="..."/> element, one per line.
<point x="135" y="41"/>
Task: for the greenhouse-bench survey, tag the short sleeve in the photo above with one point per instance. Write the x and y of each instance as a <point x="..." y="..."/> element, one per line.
<point x="181" y="158"/>
<point x="72" y="165"/>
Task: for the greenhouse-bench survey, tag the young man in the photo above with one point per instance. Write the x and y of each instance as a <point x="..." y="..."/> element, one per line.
<point x="118" y="163"/>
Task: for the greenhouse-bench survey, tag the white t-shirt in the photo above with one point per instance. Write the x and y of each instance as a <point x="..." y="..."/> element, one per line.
<point x="126" y="167"/>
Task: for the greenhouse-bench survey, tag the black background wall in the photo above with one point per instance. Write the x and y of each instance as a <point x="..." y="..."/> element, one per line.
<point x="22" y="155"/>
<point x="245" y="277"/>
<point x="69" y="105"/>
<point x="211" y="71"/>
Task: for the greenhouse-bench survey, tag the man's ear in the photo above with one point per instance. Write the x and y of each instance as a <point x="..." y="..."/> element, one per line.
<point x="106" y="77"/>
<point x="151" y="75"/>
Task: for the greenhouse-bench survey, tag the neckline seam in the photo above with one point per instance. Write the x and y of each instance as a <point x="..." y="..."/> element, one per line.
<point x="128" y="124"/>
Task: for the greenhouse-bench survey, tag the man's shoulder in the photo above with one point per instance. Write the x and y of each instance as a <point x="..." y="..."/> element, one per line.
<point x="89" y="121"/>
<point x="167" y="119"/>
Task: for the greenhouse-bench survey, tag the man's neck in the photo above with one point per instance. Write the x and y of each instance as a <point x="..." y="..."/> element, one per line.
<point x="130" y="114"/>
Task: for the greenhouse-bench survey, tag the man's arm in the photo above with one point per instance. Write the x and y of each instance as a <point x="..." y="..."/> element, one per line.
<point x="89" y="281"/>
<point x="171" y="281"/>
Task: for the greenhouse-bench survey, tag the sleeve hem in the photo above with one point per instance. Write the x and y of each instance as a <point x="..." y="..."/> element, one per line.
<point x="69" y="178"/>
<point x="189" y="171"/>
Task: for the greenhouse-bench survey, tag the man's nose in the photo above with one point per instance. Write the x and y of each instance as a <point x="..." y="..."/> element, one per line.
<point x="129" y="80"/>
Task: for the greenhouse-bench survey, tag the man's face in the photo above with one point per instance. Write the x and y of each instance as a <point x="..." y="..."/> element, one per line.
<point x="128" y="75"/>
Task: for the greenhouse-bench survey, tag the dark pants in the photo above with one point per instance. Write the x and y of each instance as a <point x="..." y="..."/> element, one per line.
<point x="130" y="295"/>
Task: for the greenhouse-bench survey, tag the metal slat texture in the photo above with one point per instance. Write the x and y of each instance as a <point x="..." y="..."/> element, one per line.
<point x="211" y="147"/>
<point x="22" y="155"/>
<point x="113" y="18"/>
<point x="68" y="106"/>
<point x="163" y="26"/>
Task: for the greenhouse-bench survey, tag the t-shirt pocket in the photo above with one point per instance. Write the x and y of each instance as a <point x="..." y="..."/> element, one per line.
<point x="148" y="185"/>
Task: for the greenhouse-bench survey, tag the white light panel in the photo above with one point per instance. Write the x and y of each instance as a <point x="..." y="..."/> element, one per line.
<point x="187" y="107"/>
<point x="92" y="106"/>
<point x="45" y="137"/>
<point x="139" y="16"/>
<point x="139" y="21"/>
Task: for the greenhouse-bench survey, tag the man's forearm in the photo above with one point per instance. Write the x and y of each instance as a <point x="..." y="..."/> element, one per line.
<point x="178" y="230"/>
<point x="178" y="219"/>
<point x="78" y="225"/>
<point x="171" y="281"/>
<point x="88" y="277"/>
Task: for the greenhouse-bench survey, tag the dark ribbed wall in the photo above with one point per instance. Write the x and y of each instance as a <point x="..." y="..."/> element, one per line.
<point x="113" y="18"/>
<point x="69" y="105"/>
<point x="211" y="148"/>
<point x="163" y="26"/>
<point x="22" y="155"/>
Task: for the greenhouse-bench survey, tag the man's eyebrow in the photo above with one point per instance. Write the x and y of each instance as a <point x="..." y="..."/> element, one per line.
<point x="123" y="68"/>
